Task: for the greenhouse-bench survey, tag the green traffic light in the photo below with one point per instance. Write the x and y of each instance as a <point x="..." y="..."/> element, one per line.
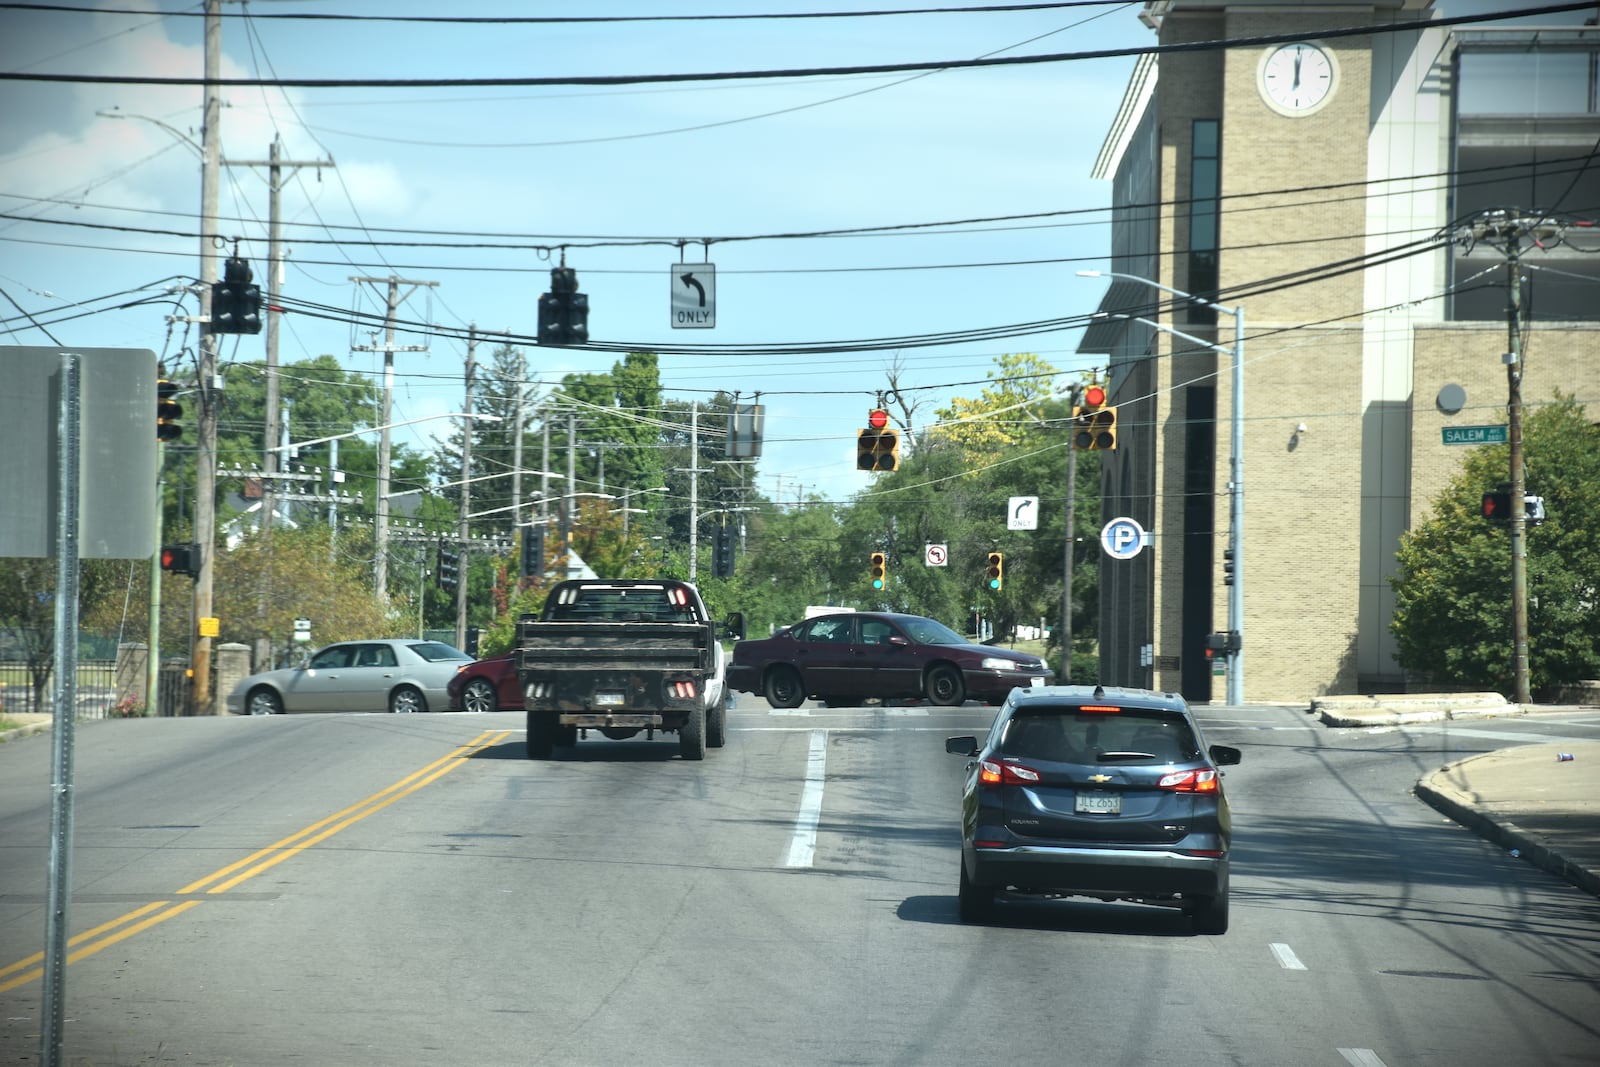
<point x="877" y="583"/>
<point x="994" y="583"/>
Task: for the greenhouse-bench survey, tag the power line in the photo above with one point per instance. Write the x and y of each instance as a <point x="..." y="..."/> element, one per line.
<point x="1328" y="33"/>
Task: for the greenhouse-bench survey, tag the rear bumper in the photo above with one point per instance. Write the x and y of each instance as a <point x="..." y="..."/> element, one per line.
<point x="1119" y="871"/>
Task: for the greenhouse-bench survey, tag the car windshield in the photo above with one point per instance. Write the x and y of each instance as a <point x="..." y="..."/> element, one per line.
<point x="437" y="651"/>
<point x="929" y="632"/>
<point x="1068" y="734"/>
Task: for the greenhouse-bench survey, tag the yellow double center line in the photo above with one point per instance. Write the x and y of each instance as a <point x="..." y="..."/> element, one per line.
<point x="143" y="918"/>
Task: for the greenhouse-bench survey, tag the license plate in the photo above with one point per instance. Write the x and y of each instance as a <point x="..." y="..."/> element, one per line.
<point x="608" y="700"/>
<point x="1099" y="803"/>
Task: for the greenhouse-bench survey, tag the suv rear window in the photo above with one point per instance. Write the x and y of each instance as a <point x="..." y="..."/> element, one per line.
<point x="628" y="604"/>
<point x="1071" y="735"/>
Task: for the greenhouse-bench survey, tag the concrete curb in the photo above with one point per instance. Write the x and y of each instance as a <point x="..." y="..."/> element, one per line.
<point x="1348" y="712"/>
<point x="1456" y="806"/>
<point x="17" y="733"/>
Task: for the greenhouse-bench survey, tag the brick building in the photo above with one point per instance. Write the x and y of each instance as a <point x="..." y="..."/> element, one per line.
<point x="1311" y="188"/>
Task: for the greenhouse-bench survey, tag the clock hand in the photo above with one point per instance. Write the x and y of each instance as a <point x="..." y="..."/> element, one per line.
<point x="1297" y="57"/>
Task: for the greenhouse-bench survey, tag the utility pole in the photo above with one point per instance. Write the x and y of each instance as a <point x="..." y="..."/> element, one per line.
<point x="274" y="164"/>
<point x="205" y="477"/>
<point x="466" y="493"/>
<point x="1510" y="232"/>
<point x="381" y="520"/>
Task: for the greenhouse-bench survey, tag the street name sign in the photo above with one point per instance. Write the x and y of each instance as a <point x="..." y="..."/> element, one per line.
<point x="694" y="296"/>
<point x="1474" y="435"/>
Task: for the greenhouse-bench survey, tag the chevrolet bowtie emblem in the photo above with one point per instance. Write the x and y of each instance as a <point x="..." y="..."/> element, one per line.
<point x="1099" y="778"/>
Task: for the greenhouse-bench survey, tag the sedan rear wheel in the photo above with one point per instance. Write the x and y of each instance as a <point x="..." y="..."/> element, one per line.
<point x="945" y="688"/>
<point x="406" y="700"/>
<point x="479" y="696"/>
<point x="264" y="701"/>
<point x="784" y="689"/>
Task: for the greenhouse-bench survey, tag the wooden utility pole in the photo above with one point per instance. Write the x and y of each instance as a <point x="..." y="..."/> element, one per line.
<point x="389" y="348"/>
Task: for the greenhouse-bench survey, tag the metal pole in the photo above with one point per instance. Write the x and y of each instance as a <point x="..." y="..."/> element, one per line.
<point x="694" y="486"/>
<point x="466" y="494"/>
<point x="1066" y="552"/>
<point x="66" y="702"/>
<point x="1236" y="518"/>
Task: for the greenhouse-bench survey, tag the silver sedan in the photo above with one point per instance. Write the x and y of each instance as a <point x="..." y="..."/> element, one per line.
<point x="396" y="674"/>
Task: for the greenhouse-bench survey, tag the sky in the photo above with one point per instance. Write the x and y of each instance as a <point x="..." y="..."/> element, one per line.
<point x="633" y="180"/>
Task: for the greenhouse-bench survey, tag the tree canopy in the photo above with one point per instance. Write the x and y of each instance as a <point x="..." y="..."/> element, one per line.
<point x="1452" y="616"/>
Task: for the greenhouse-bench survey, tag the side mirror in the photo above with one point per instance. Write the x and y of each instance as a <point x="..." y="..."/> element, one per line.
<point x="1224" y="756"/>
<point x="961" y="746"/>
<point x="898" y="641"/>
<point x="734" y="625"/>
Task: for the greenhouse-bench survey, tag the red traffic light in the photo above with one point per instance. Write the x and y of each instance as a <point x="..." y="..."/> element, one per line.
<point x="877" y="418"/>
<point x="1094" y="396"/>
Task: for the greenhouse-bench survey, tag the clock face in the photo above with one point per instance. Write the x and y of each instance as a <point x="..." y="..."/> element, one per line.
<point x="1298" y="78"/>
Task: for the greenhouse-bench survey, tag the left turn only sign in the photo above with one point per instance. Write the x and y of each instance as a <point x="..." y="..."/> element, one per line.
<point x="694" y="296"/>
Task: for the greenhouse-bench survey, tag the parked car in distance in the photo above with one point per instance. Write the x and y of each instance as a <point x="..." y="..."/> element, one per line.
<point x="1098" y="792"/>
<point x="844" y="658"/>
<point x="393" y="674"/>
<point x="486" y="685"/>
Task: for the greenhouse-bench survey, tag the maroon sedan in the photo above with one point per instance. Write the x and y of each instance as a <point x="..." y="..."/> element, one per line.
<point x="486" y="685"/>
<point x="844" y="658"/>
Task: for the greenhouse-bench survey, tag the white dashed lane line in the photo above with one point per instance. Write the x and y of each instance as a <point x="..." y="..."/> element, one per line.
<point x="1286" y="957"/>
<point x="803" y="843"/>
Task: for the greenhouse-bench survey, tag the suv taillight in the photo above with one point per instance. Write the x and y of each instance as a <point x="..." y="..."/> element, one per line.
<point x="993" y="772"/>
<point x="1202" y="781"/>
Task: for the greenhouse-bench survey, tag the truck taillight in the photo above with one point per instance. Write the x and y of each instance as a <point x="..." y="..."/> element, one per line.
<point x="681" y="690"/>
<point x="1190" y="781"/>
<point x="677" y="596"/>
<point x="993" y="772"/>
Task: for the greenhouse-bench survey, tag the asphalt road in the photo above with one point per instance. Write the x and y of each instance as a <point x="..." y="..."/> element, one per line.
<point x="373" y="889"/>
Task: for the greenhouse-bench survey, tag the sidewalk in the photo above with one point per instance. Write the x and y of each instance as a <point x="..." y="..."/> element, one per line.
<point x="1524" y="799"/>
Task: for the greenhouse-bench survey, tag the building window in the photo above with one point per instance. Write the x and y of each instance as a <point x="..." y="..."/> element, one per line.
<point x="1205" y="170"/>
<point x="1527" y="119"/>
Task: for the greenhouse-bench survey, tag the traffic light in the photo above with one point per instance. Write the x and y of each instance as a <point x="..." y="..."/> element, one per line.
<point x="877" y="446"/>
<point x="533" y="551"/>
<point x="563" y="311"/>
<point x="167" y="411"/>
<point x="722" y="554"/>
<point x="181" y="559"/>
<point x="1497" y="507"/>
<point x="1227" y="566"/>
<point x="995" y="575"/>
<point x="1094" y="423"/>
<point x="449" y="569"/>
<point x="235" y="302"/>
<point x="879" y="570"/>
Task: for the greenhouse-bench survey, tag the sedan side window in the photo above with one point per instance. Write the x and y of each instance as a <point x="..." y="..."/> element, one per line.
<point x="875" y="632"/>
<point x="332" y="658"/>
<point x="832" y="631"/>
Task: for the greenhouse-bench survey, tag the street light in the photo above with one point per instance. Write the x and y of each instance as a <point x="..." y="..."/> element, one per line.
<point x="1235" y="694"/>
<point x="626" y="510"/>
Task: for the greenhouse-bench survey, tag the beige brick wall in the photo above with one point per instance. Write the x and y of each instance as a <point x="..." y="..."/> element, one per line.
<point x="1560" y="356"/>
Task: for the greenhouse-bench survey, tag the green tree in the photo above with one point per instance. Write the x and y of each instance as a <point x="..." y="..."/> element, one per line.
<point x="28" y="609"/>
<point x="1452" y="620"/>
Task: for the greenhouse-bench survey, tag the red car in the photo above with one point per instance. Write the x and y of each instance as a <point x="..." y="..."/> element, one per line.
<point x="486" y="685"/>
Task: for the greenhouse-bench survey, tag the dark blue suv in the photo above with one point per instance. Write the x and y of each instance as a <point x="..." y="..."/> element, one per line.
<point x="1089" y="791"/>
